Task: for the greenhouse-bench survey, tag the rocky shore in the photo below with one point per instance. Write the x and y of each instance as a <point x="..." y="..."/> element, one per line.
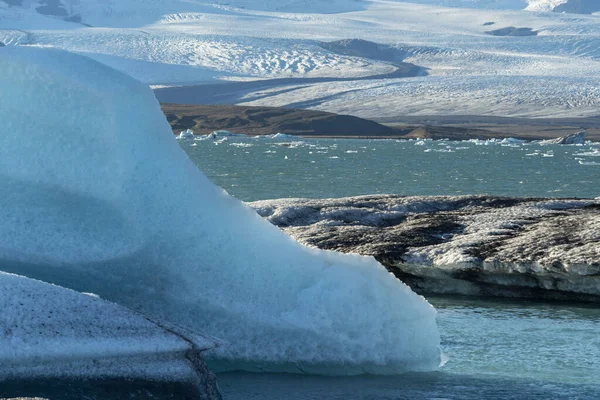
<point x="535" y="248"/>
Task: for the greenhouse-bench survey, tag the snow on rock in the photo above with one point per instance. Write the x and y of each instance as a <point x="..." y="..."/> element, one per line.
<point x="105" y="213"/>
<point x="50" y="331"/>
<point x="470" y="245"/>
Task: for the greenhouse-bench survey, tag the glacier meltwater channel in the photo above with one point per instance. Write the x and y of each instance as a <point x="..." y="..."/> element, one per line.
<point x="98" y="197"/>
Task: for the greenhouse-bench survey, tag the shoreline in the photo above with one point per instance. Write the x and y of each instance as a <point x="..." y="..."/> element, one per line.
<point x="260" y="121"/>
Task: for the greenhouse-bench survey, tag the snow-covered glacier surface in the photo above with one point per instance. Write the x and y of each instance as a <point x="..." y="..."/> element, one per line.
<point x="552" y="73"/>
<point x="98" y="197"/>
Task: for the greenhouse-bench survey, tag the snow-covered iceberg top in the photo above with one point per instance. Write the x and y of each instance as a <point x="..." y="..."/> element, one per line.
<point x="104" y="213"/>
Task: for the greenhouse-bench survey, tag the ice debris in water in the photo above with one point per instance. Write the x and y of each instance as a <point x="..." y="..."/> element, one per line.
<point x="112" y="212"/>
<point x="186" y="135"/>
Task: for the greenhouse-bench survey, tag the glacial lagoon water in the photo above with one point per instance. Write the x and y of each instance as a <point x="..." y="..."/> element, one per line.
<point x="495" y="349"/>
<point x="258" y="169"/>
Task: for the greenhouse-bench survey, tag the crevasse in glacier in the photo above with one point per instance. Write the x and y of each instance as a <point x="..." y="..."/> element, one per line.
<point x="97" y="196"/>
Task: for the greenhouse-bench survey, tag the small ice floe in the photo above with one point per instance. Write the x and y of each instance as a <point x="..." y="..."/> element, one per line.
<point x="511" y="140"/>
<point x="280" y="135"/>
<point x="548" y="154"/>
<point x="220" y="134"/>
<point x="222" y="140"/>
<point x="188" y="134"/>
<point x="193" y="144"/>
<point x="351" y="151"/>
<point x="420" y="143"/>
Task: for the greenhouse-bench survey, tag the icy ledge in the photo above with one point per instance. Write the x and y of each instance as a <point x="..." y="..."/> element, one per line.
<point x="97" y="196"/>
<point x="49" y="331"/>
<point x="468" y="245"/>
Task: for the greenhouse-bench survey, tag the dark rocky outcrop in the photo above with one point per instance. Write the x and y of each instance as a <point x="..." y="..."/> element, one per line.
<point x="512" y="31"/>
<point x="467" y="245"/>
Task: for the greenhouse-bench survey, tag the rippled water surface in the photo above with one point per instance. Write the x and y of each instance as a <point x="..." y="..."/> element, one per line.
<point x="257" y="169"/>
<point x="495" y="349"/>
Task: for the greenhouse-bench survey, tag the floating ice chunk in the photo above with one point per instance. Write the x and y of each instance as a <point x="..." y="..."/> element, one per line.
<point x="186" y="135"/>
<point x="280" y="136"/>
<point x="511" y="140"/>
<point x="225" y="133"/>
<point x="104" y="213"/>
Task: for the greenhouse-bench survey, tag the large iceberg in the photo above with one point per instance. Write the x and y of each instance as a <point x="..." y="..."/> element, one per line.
<point x="97" y="196"/>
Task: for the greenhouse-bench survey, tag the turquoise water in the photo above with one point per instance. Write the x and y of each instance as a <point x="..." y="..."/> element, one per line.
<point x="257" y="169"/>
<point x="494" y="349"/>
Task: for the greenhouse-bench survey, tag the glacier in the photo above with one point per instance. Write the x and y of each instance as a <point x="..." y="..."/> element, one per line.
<point x="278" y="47"/>
<point x="98" y="197"/>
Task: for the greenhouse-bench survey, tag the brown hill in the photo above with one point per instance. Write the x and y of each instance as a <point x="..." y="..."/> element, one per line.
<point x="204" y="119"/>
